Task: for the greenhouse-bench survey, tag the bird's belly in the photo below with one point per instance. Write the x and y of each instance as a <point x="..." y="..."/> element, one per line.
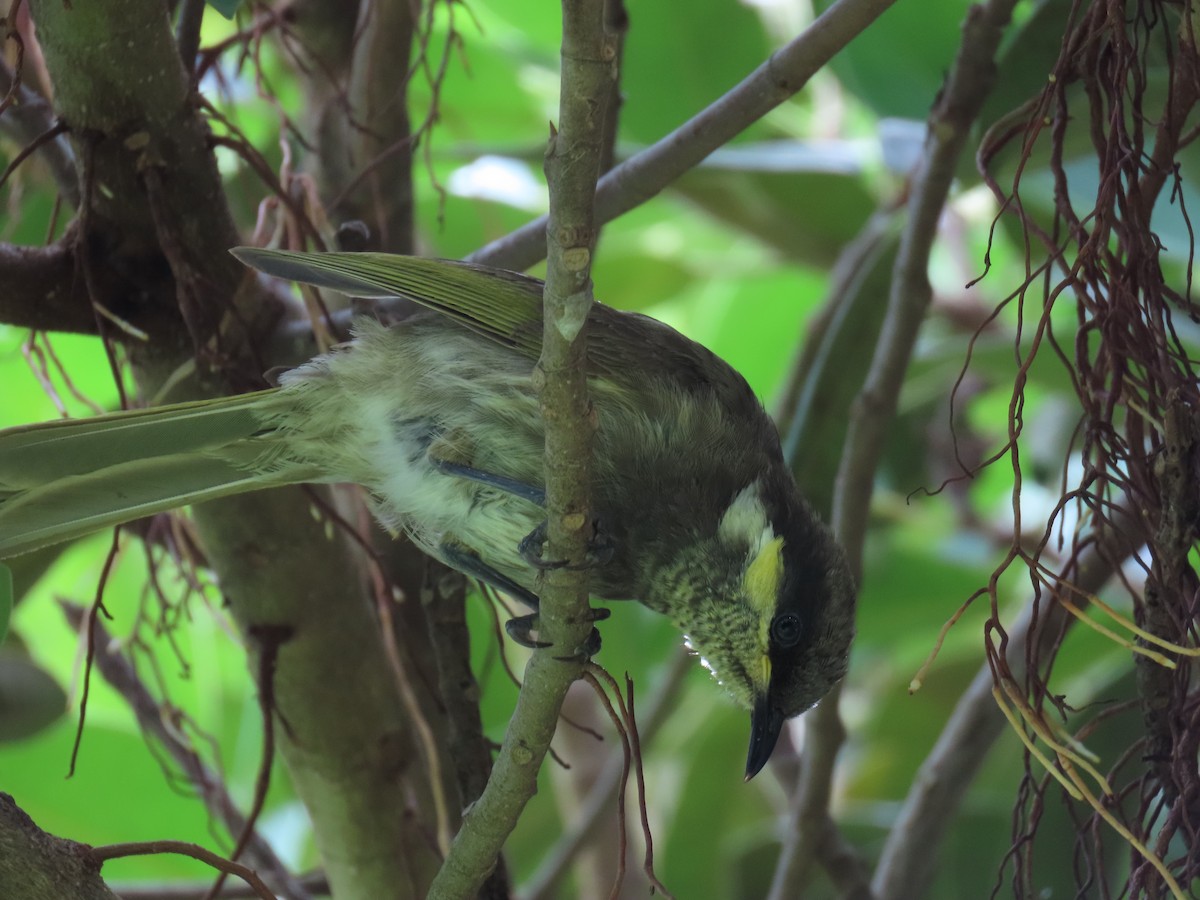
<point x="435" y="508"/>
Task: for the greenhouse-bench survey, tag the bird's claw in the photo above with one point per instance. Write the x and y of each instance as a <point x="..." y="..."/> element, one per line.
<point x="599" y="552"/>
<point x="522" y="628"/>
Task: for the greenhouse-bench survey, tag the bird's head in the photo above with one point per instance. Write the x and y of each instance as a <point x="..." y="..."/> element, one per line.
<point x="771" y="608"/>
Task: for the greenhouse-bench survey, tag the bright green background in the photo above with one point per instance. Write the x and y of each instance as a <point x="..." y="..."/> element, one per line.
<point x="737" y="256"/>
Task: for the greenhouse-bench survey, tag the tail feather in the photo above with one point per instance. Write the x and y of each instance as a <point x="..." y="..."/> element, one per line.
<point x="63" y="480"/>
<point x="32" y="455"/>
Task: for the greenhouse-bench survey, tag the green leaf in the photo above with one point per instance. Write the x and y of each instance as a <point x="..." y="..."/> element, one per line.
<point x="807" y="200"/>
<point x="676" y="64"/>
<point x="225" y="7"/>
<point x="898" y="64"/>
<point x="30" y="698"/>
<point x="6" y="599"/>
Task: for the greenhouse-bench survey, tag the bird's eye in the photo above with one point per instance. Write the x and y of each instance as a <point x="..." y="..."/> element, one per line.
<point x="785" y="630"/>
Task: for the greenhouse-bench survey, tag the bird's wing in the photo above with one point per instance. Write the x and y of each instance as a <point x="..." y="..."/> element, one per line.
<point x="507" y="308"/>
<point x="500" y="305"/>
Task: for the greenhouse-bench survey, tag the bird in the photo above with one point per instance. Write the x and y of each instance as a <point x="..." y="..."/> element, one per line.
<point x="436" y="416"/>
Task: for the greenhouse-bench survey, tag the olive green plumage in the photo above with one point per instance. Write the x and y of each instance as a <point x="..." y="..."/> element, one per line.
<point x="437" y="419"/>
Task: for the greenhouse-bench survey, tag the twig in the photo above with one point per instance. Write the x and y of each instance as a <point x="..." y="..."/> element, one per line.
<point x="120" y="674"/>
<point x="195" y="851"/>
<point x="94" y="611"/>
<point x="31" y="115"/>
<point x="908" y="861"/>
<point x="625" y="720"/>
<point x="572" y="163"/>
<point x="56" y="130"/>
<point x="600" y="802"/>
<point x="590" y="676"/>
<point x="270" y="638"/>
<point x="642" y="176"/>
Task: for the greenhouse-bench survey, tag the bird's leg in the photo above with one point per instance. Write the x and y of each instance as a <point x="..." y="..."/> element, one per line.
<point x="500" y="482"/>
<point x="469" y="563"/>
<point x="521" y="628"/>
<point x="446" y="455"/>
<point x="600" y="549"/>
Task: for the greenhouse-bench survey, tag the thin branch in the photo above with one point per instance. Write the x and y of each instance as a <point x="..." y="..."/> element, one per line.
<point x="29" y="116"/>
<point x="117" y="671"/>
<point x="908" y="862"/>
<point x="572" y="164"/>
<point x="968" y="85"/>
<point x="195" y="851"/>
<point x="643" y="176"/>
<point x="443" y="596"/>
<point x="601" y="801"/>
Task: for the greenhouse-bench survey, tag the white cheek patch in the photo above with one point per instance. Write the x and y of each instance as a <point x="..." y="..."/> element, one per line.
<point x="746" y="522"/>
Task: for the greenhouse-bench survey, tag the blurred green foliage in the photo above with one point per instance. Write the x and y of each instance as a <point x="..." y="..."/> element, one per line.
<point x="737" y="257"/>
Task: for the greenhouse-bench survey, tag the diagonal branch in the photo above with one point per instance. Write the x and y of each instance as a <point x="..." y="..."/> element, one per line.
<point x="120" y="674"/>
<point x="31" y="116"/>
<point x="643" y="176"/>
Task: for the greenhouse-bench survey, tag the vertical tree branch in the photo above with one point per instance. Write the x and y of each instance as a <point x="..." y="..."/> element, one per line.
<point x="572" y="164"/>
<point x="967" y="87"/>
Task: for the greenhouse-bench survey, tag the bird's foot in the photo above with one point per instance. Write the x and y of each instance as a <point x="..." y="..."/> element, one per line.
<point x="523" y="628"/>
<point x="599" y="552"/>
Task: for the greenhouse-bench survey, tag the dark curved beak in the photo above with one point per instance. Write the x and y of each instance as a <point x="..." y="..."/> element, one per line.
<point x="765" y="724"/>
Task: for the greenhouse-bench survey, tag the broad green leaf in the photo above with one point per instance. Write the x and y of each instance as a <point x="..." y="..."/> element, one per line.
<point x="678" y="60"/>
<point x="899" y="63"/>
<point x="225" y="7"/>
<point x="805" y="200"/>
<point x="7" y="599"/>
<point x="30" y="698"/>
